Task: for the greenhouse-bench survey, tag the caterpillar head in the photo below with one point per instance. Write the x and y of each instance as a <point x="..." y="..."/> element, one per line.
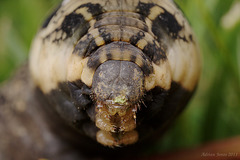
<point x="118" y="87"/>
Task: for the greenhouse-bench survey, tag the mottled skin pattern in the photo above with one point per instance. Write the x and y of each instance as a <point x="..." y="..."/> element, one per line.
<point x="103" y="74"/>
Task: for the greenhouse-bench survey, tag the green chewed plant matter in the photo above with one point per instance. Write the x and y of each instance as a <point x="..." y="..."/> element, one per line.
<point x="121" y="100"/>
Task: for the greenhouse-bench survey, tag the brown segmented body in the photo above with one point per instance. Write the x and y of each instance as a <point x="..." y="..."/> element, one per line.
<point x="151" y="37"/>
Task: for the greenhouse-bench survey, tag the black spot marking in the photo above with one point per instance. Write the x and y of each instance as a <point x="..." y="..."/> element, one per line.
<point x="154" y="52"/>
<point x="94" y="9"/>
<point x="94" y="62"/>
<point x="105" y="35"/>
<point x="183" y="38"/>
<point x="133" y="58"/>
<point x="99" y="17"/>
<point x="91" y="48"/>
<point x="144" y="8"/>
<point x="191" y="38"/>
<point x="146" y="69"/>
<point x="109" y="56"/>
<point x="166" y="22"/>
<point x="135" y="38"/>
<point x="71" y="23"/>
<point x="46" y="22"/>
<point x="170" y="23"/>
<point x="82" y="46"/>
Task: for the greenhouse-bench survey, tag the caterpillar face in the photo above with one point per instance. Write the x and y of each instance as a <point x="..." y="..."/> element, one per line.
<point x="116" y="69"/>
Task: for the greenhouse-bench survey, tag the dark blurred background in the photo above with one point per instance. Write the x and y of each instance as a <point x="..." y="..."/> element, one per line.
<point x="214" y="111"/>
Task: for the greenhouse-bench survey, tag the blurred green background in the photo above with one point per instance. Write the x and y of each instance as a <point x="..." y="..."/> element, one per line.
<point x="214" y="111"/>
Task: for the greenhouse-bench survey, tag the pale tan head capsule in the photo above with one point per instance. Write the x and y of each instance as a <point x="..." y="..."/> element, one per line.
<point x="117" y="88"/>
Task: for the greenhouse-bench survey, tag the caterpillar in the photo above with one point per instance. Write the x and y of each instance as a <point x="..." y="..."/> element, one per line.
<point x="117" y="71"/>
